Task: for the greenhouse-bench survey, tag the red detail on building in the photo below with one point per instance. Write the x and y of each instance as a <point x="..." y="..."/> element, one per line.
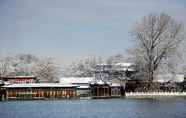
<point x="19" y="79"/>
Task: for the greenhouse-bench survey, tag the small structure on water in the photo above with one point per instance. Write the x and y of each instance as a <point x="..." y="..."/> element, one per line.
<point x="102" y="89"/>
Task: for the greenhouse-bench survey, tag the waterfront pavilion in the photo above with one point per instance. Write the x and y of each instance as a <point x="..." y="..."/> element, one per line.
<point x="40" y="91"/>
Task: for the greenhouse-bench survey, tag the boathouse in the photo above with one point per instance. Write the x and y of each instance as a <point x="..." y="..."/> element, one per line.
<point x="116" y="90"/>
<point x="40" y="91"/>
<point x="102" y="89"/>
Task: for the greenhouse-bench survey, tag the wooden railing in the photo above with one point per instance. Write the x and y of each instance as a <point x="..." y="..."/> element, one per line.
<point x="144" y="94"/>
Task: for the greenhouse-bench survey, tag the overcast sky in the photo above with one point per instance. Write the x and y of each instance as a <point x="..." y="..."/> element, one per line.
<point x="70" y="29"/>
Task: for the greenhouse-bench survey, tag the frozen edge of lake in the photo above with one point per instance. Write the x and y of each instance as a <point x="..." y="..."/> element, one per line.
<point x="153" y="94"/>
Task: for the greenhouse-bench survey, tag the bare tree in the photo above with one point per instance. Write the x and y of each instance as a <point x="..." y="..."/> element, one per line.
<point x="4" y="65"/>
<point x="46" y="70"/>
<point x="83" y="68"/>
<point x="27" y="64"/>
<point x="23" y="63"/>
<point x="27" y="58"/>
<point x="157" y="38"/>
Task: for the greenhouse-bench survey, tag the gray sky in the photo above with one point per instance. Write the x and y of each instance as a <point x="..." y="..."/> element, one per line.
<point x="70" y="29"/>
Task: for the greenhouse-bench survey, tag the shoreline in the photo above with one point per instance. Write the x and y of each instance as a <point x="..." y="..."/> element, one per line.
<point x="154" y="94"/>
<point x="128" y="95"/>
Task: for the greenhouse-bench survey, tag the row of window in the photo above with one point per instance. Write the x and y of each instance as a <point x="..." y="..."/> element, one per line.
<point x="42" y="94"/>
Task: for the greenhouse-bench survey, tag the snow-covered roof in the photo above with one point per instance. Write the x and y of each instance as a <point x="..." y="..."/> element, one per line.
<point x="124" y="64"/>
<point x="100" y="82"/>
<point x="7" y="83"/>
<point x="103" y="64"/>
<point x="84" y="87"/>
<point x="117" y="64"/>
<point x="115" y="85"/>
<point x="39" y="85"/>
<point x="125" y="69"/>
<point x="76" y="80"/>
<point x="1" y="82"/>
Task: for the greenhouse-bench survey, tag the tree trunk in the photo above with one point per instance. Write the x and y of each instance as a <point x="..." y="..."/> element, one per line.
<point x="150" y="79"/>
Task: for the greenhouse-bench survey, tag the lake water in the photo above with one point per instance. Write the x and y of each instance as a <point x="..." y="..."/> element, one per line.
<point x="107" y="108"/>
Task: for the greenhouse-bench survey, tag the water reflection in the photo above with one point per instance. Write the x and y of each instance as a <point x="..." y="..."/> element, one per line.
<point x="110" y="108"/>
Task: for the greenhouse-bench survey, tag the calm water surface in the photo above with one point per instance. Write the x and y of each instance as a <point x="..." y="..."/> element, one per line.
<point x="110" y="108"/>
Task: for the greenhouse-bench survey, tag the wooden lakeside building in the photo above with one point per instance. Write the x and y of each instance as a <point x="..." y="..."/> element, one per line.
<point x="92" y="88"/>
<point x="25" y="87"/>
<point x="105" y="90"/>
<point x="84" y="90"/>
<point x="106" y="74"/>
<point x="40" y="91"/>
